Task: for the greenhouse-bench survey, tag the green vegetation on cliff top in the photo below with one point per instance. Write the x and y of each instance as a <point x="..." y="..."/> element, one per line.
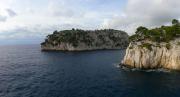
<point x="161" y="34"/>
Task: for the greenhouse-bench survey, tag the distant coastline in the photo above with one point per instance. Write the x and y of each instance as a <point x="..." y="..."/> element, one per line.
<point x="81" y="40"/>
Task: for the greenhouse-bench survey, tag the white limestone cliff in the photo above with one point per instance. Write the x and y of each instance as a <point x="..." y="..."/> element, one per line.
<point x="157" y="55"/>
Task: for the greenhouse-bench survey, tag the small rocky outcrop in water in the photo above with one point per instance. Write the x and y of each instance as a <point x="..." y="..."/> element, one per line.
<point x="155" y="48"/>
<point x="78" y="40"/>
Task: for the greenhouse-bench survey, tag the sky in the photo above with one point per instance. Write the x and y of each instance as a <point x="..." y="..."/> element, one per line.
<point x="30" y="21"/>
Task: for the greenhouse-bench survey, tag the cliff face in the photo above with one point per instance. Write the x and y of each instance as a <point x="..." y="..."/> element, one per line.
<point x="153" y="55"/>
<point x="78" y="40"/>
<point x="154" y="48"/>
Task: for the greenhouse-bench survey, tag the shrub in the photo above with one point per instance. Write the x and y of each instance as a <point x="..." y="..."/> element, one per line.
<point x="178" y="43"/>
<point x="162" y="34"/>
<point x="133" y="37"/>
<point x="175" y="22"/>
<point x="168" y="46"/>
<point x="147" y="46"/>
<point x="131" y="47"/>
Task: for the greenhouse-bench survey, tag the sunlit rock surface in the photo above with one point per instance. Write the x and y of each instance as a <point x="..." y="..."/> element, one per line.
<point x="158" y="55"/>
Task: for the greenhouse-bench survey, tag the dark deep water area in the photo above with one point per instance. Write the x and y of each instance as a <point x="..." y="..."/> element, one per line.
<point x="25" y="71"/>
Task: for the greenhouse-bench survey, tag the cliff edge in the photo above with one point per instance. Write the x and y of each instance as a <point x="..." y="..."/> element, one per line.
<point x="154" y="49"/>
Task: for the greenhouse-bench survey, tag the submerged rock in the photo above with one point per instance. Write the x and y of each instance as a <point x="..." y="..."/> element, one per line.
<point x="78" y="40"/>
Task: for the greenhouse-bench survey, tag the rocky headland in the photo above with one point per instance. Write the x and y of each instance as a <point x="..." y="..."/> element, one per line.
<point x="79" y="40"/>
<point x="155" y="48"/>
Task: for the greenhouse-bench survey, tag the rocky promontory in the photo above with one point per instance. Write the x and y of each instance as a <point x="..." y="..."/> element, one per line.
<point x="79" y="40"/>
<point x="155" y="48"/>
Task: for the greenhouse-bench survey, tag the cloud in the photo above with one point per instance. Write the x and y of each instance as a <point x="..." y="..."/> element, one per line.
<point x="11" y="13"/>
<point x="147" y="13"/>
<point x="6" y="14"/>
<point x="59" y="9"/>
<point x="35" y="31"/>
<point x="21" y="19"/>
<point x="3" y="18"/>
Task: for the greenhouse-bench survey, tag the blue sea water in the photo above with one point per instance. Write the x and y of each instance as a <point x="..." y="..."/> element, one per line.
<point x="25" y="71"/>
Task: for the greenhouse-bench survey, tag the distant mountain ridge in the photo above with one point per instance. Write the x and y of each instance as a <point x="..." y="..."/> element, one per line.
<point x="78" y="40"/>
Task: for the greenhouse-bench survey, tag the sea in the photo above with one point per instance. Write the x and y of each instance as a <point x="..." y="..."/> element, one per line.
<point x="26" y="71"/>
